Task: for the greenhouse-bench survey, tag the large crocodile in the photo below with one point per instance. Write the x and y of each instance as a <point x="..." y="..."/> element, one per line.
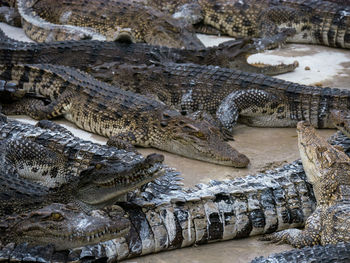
<point x="163" y="219"/>
<point x="124" y="117"/>
<point x="66" y="168"/>
<point x="328" y="169"/>
<point x="87" y="54"/>
<point x="298" y="21"/>
<point x="46" y="21"/>
<point x="228" y="94"/>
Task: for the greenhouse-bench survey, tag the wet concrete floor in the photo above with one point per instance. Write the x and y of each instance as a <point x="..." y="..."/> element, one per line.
<point x="266" y="147"/>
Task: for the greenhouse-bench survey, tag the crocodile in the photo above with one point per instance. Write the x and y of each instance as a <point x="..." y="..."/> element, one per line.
<point x="339" y="253"/>
<point x="229" y="95"/>
<point x="124" y="117"/>
<point x="66" y="168"/>
<point x="272" y="21"/>
<point x="86" y="54"/>
<point x="48" y="225"/>
<point x="104" y="20"/>
<point x="162" y="218"/>
<point x="328" y="170"/>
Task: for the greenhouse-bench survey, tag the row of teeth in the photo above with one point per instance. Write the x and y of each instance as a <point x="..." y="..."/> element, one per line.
<point x="71" y="237"/>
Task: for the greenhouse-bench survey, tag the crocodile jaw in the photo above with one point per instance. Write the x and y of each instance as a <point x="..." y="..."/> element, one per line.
<point x="98" y="195"/>
<point x="219" y="153"/>
<point x="66" y="227"/>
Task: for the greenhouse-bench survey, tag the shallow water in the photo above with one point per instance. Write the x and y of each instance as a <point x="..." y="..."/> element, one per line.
<point x="266" y="147"/>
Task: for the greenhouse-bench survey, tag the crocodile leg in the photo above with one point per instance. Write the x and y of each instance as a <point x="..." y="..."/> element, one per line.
<point x="37" y="109"/>
<point x="239" y="101"/>
<point x="124" y="141"/>
<point x="310" y="236"/>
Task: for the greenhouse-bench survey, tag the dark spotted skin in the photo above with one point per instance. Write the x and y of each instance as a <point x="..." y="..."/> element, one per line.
<point x="52" y="164"/>
<point x="328" y="169"/>
<point x="126" y="118"/>
<point x="87" y="54"/>
<point x="46" y="21"/>
<point x="274" y="21"/>
<point x="339" y="253"/>
<point x="164" y="217"/>
<point x="256" y="99"/>
<point x="341" y="120"/>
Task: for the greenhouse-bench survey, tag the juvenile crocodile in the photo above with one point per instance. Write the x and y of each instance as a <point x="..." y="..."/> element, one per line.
<point x="229" y="95"/>
<point x="124" y="117"/>
<point x="46" y="21"/>
<point x="64" y="225"/>
<point x="66" y="168"/>
<point x="297" y="21"/>
<point x="87" y="54"/>
<point x="163" y="219"/>
<point x="339" y="253"/>
<point x="328" y="170"/>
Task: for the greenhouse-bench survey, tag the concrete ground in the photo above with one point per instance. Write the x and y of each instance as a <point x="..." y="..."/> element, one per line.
<point x="266" y="147"/>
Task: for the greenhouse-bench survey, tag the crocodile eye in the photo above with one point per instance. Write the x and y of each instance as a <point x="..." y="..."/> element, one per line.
<point x="199" y="135"/>
<point x="98" y="166"/>
<point x="56" y="217"/>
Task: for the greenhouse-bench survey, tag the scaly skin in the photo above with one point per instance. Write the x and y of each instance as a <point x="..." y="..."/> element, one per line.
<point x="66" y="168"/>
<point x="229" y="95"/>
<point x="297" y="21"/>
<point x="341" y="120"/>
<point x="164" y="218"/>
<point x="339" y="253"/>
<point x="328" y="170"/>
<point x="124" y="117"/>
<point x="46" y="21"/>
<point x="65" y="226"/>
<point x="87" y="54"/>
<point x="18" y="195"/>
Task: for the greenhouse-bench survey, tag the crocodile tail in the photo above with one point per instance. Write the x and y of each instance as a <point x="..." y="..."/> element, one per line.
<point x="329" y="253"/>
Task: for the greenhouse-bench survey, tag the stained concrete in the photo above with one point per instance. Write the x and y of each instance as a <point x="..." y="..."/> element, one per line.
<point x="266" y="147"/>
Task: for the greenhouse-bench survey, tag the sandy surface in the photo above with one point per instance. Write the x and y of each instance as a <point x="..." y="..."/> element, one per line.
<point x="266" y="147"/>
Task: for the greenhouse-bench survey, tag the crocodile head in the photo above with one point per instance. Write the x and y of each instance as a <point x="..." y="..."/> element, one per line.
<point x="66" y="227"/>
<point x="326" y="167"/>
<point x="196" y="139"/>
<point x="167" y="31"/>
<point x="104" y="182"/>
<point x="234" y="54"/>
<point x="94" y="181"/>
